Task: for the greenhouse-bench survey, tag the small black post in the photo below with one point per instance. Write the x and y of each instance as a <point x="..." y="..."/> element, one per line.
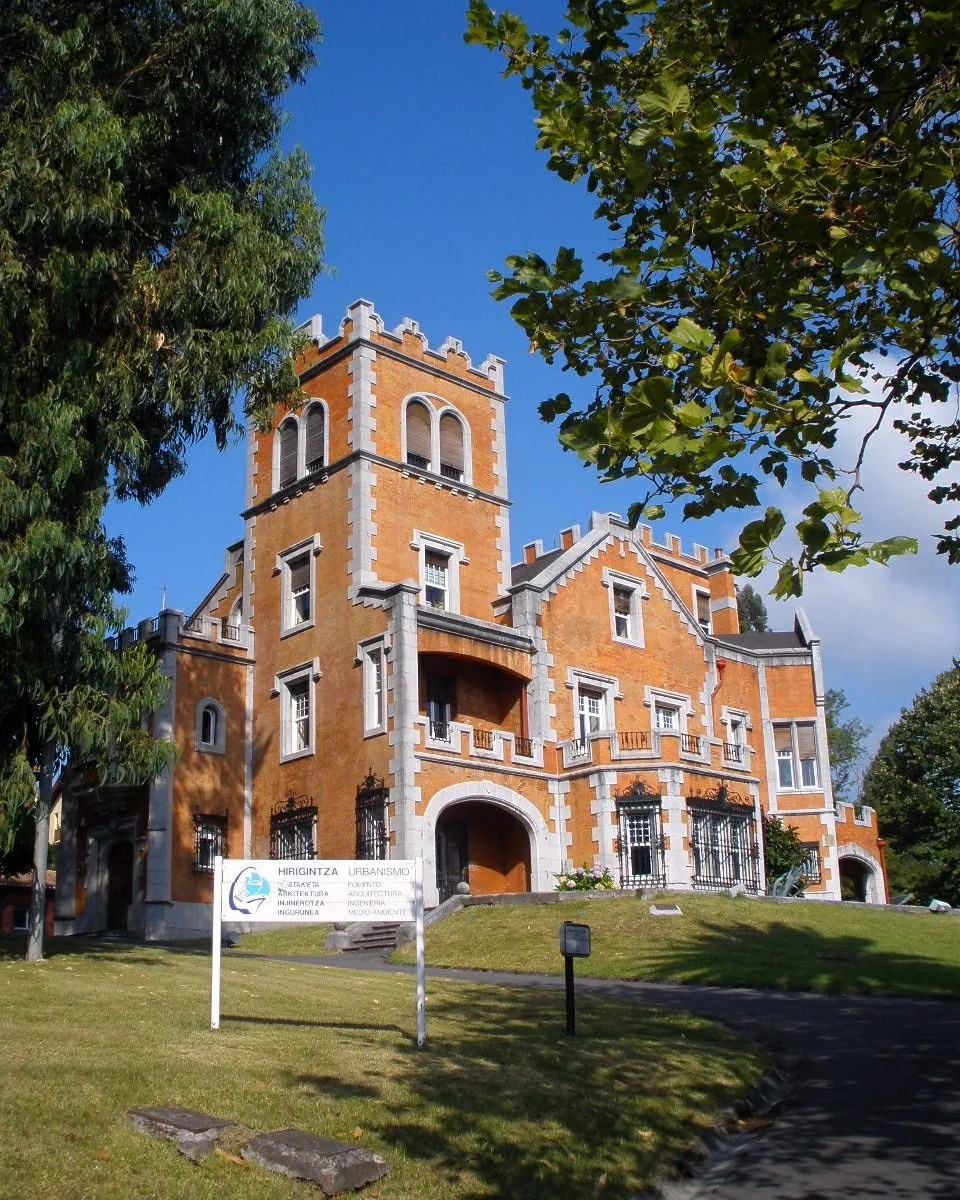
<point x="571" y="1012"/>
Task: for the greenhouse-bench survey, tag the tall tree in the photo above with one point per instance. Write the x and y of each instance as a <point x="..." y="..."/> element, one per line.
<point x="153" y="246"/>
<point x="751" y="610"/>
<point x="779" y="186"/>
<point x="845" y="742"/>
<point x="914" y="784"/>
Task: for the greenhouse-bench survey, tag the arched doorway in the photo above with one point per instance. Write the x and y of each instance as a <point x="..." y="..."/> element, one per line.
<point x="483" y="845"/>
<point x="855" y="880"/>
<point x="119" y="884"/>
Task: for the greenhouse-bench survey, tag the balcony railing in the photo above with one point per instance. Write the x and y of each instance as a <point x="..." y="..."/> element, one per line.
<point x="231" y="633"/>
<point x="484" y="739"/>
<point x="523" y="746"/>
<point x="579" y="747"/>
<point x="440" y="731"/>
<point x="733" y="752"/>
<point x="639" y="740"/>
<point x="417" y="460"/>
<point x="690" y="743"/>
<point x="451" y="472"/>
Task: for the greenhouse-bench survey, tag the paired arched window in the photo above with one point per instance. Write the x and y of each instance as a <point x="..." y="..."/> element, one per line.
<point x="440" y="445"/>
<point x="300" y="446"/>
<point x="211" y="726"/>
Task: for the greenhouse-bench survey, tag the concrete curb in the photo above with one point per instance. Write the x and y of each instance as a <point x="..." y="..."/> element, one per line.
<point x="736" y="1128"/>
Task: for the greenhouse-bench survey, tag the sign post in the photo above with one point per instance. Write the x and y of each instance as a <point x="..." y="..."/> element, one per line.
<point x="281" y="891"/>
<point x="574" y="943"/>
<point x="217" y="942"/>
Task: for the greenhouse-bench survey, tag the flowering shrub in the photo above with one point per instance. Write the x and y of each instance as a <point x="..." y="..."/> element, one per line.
<point x="585" y="879"/>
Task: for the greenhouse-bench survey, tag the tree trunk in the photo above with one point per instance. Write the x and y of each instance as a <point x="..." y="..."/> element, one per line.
<point x="41" y="847"/>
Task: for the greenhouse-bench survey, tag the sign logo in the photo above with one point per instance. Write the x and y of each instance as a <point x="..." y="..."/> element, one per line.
<point x="248" y="891"/>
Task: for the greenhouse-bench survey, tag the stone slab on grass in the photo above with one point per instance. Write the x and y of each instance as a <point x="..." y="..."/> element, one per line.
<point x="665" y="910"/>
<point x="335" y="1166"/>
<point x="195" y="1134"/>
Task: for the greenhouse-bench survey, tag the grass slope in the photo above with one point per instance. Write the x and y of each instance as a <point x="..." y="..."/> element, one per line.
<point x="500" y="1103"/>
<point x="718" y="940"/>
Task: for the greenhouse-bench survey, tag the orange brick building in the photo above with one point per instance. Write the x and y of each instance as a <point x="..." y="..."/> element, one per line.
<point x="371" y="676"/>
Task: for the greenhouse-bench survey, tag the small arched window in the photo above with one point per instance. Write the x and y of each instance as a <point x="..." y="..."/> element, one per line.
<point x="210" y="727"/>
<point x="314" y="438"/>
<point x="451" y="446"/>
<point x="419" y="435"/>
<point x="287" y="469"/>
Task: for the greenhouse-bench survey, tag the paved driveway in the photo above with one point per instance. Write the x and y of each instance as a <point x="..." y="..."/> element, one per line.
<point x="878" y="1114"/>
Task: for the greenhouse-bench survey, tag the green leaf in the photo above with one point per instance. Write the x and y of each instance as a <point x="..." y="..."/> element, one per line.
<point x="690" y="336"/>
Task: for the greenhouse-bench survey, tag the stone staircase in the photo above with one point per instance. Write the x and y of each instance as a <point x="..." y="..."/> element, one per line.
<point x="377" y="937"/>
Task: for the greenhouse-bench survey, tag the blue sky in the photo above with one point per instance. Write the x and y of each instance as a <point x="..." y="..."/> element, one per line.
<point x="424" y="159"/>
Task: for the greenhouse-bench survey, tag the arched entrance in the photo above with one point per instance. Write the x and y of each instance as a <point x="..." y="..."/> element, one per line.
<point x="855" y="878"/>
<point x="119" y="884"/>
<point x="483" y="845"/>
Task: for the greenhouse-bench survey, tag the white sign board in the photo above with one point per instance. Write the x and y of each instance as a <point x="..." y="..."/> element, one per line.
<point x="278" y="891"/>
<point x="281" y="890"/>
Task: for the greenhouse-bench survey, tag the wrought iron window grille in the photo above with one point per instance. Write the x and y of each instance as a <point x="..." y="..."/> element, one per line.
<point x="293" y="824"/>
<point x="209" y="840"/>
<point x="640" y="842"/>
<point x="811" y="868"/>
<point x="371" y="814"/>
<point x="723" y="839"/>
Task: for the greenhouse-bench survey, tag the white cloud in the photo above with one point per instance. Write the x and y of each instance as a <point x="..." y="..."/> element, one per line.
<point x="886" y="631"/>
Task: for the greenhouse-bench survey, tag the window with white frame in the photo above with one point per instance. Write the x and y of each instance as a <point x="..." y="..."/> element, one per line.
<point x="440" y="690"/>
<point x="439" y="570"/>
<point x="623" y="613"/>
<point x="624" y="595"/>
<point x="701" y="600"/>
<point x="796" y="746"/>
<point x="666" y="717"/>
<point x="735" y="746"/>
<point x="374" y="687"/>
<point x="590" y="712"/>
<point x="297" y="719"/>
<point x="296" y="569"/>
<point x="210" y="727"/>
<point x="436" y="579"/>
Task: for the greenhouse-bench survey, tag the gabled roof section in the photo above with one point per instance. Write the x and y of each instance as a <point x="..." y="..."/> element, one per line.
<point x="525" y="571"/>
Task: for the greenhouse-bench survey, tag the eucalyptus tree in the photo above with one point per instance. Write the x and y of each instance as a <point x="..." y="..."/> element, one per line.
<point x="154" y="243"/>
<point x="779" y="188"/>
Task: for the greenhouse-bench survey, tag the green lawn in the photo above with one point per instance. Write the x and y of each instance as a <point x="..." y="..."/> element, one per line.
<point x="500" y="1103"/>
<point x="306" y="940"/>
<point x="718" y="940"/>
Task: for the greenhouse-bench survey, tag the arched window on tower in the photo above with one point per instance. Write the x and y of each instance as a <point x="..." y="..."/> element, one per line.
<point x="419" y="435"/>
<point x="211" y="727"/>
<point x="287" y="469"/>
<point x="314" y="438"/>
<point x="451" y="446"/>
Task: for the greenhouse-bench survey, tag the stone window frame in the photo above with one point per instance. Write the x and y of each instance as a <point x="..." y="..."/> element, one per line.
<point x="307" y="546"/>
<point x="727" y="715"/>
<point x="289" y="419"/>
<point x="283" y="683"/>
<point x="424" y="542"/>
<point x="613" y="580"/>
<point x="367" y="653"/>
<point x="697" y="590"/>
<point x="796" y="762"/>
<point x="580" y="679"/>
<point x="219" y="743"/>
<point x="431" y="402"/>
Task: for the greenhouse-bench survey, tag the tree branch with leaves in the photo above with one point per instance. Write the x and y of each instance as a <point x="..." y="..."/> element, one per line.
<point x="780" y="190"/>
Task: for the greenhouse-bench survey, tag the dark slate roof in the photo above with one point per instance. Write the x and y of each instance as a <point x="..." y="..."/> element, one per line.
<point x="522" y="572"/>
<point x="763" y="641"/>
